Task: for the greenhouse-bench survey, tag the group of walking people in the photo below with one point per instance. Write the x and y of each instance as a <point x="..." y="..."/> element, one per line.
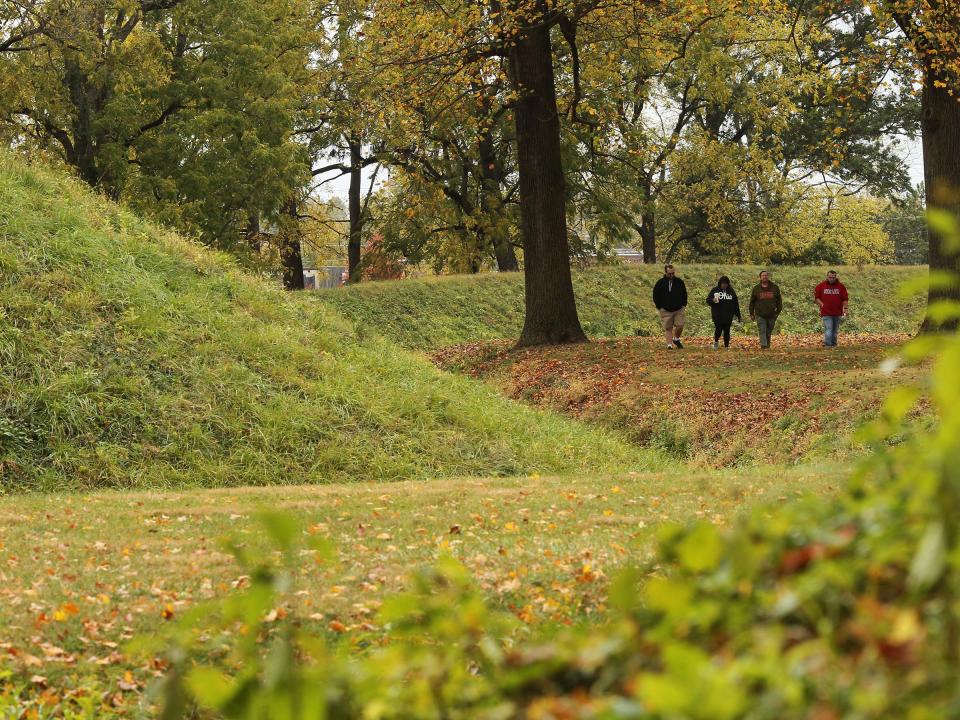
<point x="766" y="304"/>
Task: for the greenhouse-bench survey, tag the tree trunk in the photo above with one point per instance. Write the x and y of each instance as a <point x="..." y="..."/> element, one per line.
<point x="84" y="155"/>
<point x="491" y="201"/>
<point x="291" y="255"/>
<point x="252" y="233"/>
<point x="355" y="210"/>
<point x="941" y="173"/>
<point x="505" y="254"/>
<point x="551" y="310"/>
<point x="648" y="234"/>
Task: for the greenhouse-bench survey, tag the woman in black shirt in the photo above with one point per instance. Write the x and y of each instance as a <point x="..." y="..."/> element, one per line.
<point x="724" y="307"/>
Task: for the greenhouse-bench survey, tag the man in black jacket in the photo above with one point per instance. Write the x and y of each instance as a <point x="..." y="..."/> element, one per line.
<point x="670" y="299"/>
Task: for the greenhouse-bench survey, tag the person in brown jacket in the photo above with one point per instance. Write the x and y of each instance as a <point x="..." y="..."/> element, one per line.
<point x="766" y="303"/>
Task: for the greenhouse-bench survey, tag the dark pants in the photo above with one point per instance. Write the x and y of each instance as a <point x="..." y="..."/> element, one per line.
<point x="765" y="329"/>
<point x="722" y="329"/>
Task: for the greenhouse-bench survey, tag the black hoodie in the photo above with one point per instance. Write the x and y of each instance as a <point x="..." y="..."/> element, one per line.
<point x="670" y="295"/>
<point x="727" y="309"/>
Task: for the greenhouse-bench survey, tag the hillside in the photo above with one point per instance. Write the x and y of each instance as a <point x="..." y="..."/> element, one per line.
<point x="130" y="357"/>
<point x="431" y="313"/>
<point x="796" y="403"/>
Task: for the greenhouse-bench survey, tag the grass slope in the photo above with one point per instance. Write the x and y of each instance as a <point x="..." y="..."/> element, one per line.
<point x="797" y="402"/>
<point x="431" y="313"/>
<point x="130" y="357"/>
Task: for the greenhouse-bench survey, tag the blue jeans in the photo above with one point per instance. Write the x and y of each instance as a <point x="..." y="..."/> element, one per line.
<point x="831" y="328"/>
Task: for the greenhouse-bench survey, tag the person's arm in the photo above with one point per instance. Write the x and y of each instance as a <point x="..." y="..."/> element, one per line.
<point x="736" y="306"/>
<point x="846" y="298"/>
<point x="817" y="293"/>
<point x="779" y="308"/>
<point x="710" y="297"/>
<point x="683" y="294"/>
<point x="753" y="303"/>
<point x="656" y="300"/>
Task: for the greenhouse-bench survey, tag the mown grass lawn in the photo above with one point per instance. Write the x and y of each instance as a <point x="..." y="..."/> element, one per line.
<point x="82" y="574"/>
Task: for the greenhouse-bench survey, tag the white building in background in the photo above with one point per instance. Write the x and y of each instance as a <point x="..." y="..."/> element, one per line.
<point x="325" y="276"/>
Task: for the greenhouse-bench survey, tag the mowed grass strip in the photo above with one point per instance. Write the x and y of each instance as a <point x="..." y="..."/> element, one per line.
<point x="712" y="408"/>
<point x="433" y="312"/>
<point x="82" y="574"/>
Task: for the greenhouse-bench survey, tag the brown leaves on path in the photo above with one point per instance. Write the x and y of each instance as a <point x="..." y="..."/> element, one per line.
<point x="712" y="406"/>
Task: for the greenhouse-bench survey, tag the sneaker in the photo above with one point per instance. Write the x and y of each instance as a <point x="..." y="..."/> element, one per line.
<point x="716" y="345"/>
<point x="670" y="346"/>
<point x="676" y="341"/>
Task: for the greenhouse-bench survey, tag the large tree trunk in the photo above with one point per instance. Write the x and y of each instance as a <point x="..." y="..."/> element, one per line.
<point x="355" y="209"/>
<point x="941" y="173"/>
<point x="551" y="310"/>
<point x="291" y="255"/>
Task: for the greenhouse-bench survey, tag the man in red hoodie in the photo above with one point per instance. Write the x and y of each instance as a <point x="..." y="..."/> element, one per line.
<point x="831" y="296"/>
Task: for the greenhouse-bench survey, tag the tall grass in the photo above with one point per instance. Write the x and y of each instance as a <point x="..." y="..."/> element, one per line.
<point x="131" y="357"/>
<point x="430" y="313"/>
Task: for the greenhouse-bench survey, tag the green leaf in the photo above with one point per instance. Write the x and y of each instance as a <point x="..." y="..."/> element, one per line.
<point x="281" y="527"/>
<point x="624" y="594"/>
<point x="922" y="347"/>
<point x="941" y="312"/>
<point x="210" y="687"/>
<point x="946" y="225"/>
<point x="702" y="548"/>
<point x="899" y="402"/>
<point x="668" y="595"/>
<point x="278" y="664"/>
<point x="663" y="694"/>
<point x="929" y="561"/>
<point x="920" y="285"/>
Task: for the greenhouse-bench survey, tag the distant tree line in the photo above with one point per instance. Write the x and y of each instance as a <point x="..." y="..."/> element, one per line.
<point x="506" y="134"/>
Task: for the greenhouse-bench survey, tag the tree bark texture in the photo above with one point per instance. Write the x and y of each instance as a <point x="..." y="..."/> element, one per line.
<point x="355" y="210"/>
<point x="941" y="174"/>
<point x="291" y="254"/>
<point x="648" y="234"/>
<point x="551" y="310"/>
<point x="491" y="200"/>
